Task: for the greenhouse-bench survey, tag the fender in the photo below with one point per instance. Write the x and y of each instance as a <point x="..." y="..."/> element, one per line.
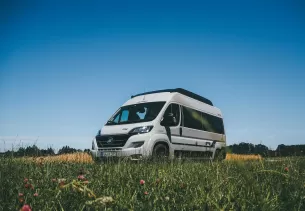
<point x="158" y="138"/>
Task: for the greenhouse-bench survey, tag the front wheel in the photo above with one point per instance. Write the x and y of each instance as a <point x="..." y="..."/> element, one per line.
<point x="160" y="151"/>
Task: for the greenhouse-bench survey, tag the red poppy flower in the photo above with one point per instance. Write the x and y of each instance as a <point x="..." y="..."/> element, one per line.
<point x="81" y="177"/>
<point x="35" y="194"/>
<point x="25" y="180"/>
<point x="20" y="194"/>
<point x="145" y="193"/>
<point x="142" y="182"/>
<point x="286" y="169"/>
<point x="26" y="208"/>
<point x="27" y="185"/>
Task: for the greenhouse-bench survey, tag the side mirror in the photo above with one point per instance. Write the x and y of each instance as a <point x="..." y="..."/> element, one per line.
<point x="169" y="120"/>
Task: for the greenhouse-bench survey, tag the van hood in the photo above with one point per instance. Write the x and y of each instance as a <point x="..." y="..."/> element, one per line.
<point x="122" y="129"/>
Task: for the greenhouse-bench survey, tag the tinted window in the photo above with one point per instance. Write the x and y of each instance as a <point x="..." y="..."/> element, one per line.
<point x="192" y="118"/>
<point x="212" y="123"/>
<point x="201" y="121"/>
<point x="174" y="109"/>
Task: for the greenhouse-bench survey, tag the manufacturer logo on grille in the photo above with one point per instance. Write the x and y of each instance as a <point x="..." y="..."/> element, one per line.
<point x="110" y="140"/>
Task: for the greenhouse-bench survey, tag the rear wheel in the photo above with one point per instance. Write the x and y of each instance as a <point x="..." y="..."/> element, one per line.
<point x="220" y="154"/>
<point x="160" y="151"/>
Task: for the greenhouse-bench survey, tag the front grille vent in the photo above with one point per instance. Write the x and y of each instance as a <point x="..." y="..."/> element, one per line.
<point x="105" y="141"/>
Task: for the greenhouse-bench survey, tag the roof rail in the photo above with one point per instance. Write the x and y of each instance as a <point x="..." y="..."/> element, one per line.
<point x="181" y="91"/>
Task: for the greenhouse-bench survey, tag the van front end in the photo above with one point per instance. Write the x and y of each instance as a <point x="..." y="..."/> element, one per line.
<point x="132" y="144"/>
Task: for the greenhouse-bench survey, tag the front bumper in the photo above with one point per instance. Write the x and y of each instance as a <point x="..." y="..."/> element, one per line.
<point x="126" y="151"/>
<point x="132" y="152"/>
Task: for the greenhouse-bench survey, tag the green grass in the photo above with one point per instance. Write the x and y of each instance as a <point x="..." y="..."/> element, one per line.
<point x="170" y="186"/>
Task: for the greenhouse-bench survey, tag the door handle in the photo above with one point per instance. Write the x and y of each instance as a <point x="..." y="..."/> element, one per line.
<point x="180" y="131"/>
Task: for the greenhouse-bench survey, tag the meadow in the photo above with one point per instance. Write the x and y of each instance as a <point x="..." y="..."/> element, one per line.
<point x="75" y="182"/>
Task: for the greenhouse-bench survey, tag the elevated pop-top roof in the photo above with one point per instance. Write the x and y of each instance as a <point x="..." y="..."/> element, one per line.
<point x="181" y="91"/>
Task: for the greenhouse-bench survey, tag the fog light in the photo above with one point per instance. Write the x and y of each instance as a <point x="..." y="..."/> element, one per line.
<point x="137" y="144"/>
<point x="136" y="156"/>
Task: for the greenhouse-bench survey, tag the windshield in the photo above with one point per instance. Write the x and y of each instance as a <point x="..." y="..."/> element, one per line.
<point x="142" y="112"/>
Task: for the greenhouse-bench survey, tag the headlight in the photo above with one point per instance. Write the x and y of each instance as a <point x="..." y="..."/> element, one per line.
<point x="140" y="130"/>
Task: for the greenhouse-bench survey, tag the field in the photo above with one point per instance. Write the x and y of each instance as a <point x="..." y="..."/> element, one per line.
<point x="74" y="182"/>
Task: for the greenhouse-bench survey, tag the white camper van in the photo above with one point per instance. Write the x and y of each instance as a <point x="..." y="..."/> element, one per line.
<point x="167" y="123"/>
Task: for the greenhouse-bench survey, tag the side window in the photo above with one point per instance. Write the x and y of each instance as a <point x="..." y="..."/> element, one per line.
<point x="217" y="124"/>
<point x="175" y="110"/>
<point x="192" y="119"/>
<point x="201" y="121"/>
<point x="116" y="120"/>
<point x="207" y="123"/>
<point x="212" y="123"/>
<point x="124" y="116"/>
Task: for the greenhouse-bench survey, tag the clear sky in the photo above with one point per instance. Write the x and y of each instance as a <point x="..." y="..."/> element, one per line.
<point x="66" y="67"/>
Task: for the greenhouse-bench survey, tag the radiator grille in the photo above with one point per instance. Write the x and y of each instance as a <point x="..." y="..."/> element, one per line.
<point x="105" y="141"/>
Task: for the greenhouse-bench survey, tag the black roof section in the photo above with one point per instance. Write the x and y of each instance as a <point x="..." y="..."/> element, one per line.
<point x="181" y="91"/>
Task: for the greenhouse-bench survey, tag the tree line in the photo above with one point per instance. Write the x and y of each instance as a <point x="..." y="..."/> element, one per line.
<point x="260" y="149"/>
<point x="34" y="151"/>
<point x="241" y="148"/>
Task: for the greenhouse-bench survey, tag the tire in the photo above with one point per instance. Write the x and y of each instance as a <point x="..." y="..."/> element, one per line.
<point x="220" y="155"/>
<point x="95" y="159"/>
<point x="160" y="151"/>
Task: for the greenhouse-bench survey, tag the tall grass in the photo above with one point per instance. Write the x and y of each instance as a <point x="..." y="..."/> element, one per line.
<point x="174" y="185"/>
<point x="81" y="157"/>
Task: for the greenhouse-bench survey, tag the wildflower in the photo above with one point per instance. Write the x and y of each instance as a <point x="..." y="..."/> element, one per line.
<point x="81" y="177"/>
<point x="61" y="184"/>
<point x="105" y="200"/>
<point x="61" y="180"/>
<point x="20" y="194"/>
<point x="166" y="198"/>
<point x="286" y="169"/>
<point x="27" y="185"/>
<point x="145" y="193"/>
<point x="53" y="180"/>
<point x="36" y="194"/>
<point x="26" y="208"/>
<point x="86" y="182"/>
<point x="25" y="180"/>
<point x="142" y="182"/>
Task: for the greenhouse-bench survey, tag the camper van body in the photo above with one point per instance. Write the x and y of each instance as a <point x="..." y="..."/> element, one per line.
<point x="196" y="129"/>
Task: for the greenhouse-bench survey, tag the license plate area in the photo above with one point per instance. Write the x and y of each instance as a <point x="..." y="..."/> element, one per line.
<point x="108" y="154"/>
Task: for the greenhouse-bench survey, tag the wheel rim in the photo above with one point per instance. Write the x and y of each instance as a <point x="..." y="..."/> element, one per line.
<point x="161" y="152"/>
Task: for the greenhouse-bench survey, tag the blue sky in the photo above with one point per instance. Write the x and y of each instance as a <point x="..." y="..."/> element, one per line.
<point x="66" y="67"/>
